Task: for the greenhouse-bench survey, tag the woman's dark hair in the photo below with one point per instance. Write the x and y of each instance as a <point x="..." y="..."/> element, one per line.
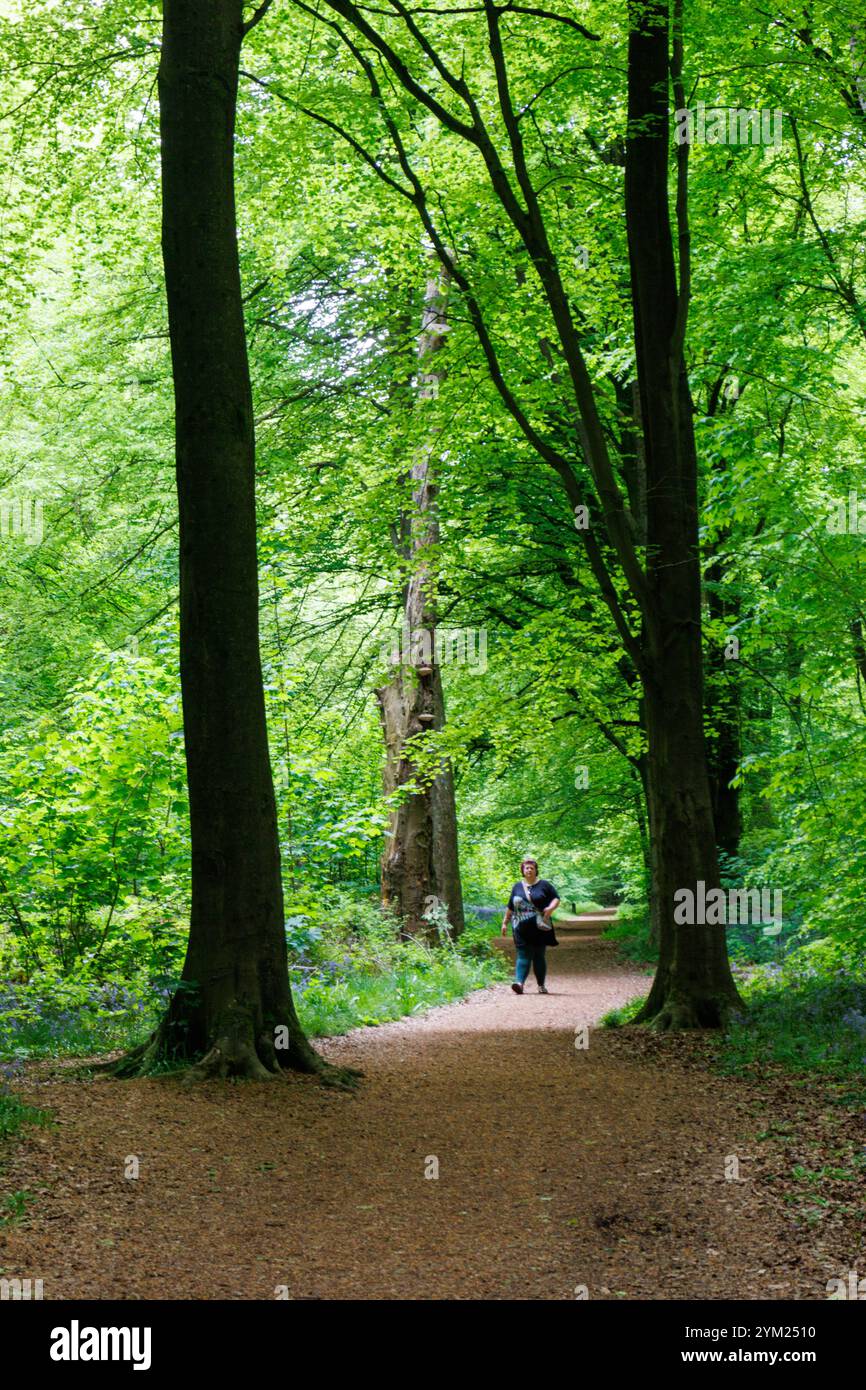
<point x="524" y="862"/>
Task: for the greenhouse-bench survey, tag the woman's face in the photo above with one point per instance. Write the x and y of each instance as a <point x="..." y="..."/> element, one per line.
<point x="530" y="873"/>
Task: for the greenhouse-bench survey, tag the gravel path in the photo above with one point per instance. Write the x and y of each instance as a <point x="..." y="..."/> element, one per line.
<point x="558" y="1169"/>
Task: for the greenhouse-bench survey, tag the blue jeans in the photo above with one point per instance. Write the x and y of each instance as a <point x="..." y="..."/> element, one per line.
<point x="530" y="956"/>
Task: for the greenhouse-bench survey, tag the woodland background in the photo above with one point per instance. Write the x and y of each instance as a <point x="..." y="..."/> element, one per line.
<point x="94" y="838"/>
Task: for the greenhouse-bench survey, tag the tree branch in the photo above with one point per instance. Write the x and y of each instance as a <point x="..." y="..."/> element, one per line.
<point x="256" y="17"/>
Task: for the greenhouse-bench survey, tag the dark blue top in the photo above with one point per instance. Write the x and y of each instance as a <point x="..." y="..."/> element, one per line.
<point x="523" y="924"/>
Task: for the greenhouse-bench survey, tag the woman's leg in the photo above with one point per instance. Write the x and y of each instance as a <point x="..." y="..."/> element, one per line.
<point x="522" y="964"/>
<point x="539" y="964"/>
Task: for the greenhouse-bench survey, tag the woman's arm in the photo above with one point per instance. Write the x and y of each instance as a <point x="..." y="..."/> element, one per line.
<point x="553" y="904"/>
<point x="506" y="919"/>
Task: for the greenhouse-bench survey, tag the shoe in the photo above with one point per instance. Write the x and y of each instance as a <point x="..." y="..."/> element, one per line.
<point x="542" y="989"/>
<point x="518" y="989"/>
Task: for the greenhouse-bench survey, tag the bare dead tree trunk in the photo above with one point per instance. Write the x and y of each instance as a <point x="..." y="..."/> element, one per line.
<point x="723" y="718"/>
<point x="420" y="863"/>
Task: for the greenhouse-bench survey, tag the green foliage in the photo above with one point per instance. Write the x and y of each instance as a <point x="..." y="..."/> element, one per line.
<point x="81" y="1015"/>
<point x="805" y="1013"/>
<point x="347" y="966"/>
<point x="94" y="852"/>
<point x="617" y="1018"/>
<point x="14" y="1114"/>
<point x="92" y="812"/>
<point x="13" y="1207"/>
<point x="477" y="940"/>
<point x="631" y="932"/>
<point x="416" y="978"/>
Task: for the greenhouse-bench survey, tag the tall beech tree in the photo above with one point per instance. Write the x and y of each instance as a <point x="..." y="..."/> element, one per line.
<point x="693" y="983"/>
<point x="653" y="592"/>
<point x="233" y="1014"/>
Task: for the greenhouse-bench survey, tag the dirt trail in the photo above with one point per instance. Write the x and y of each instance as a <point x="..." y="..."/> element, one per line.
<point x="557" y="1168"/>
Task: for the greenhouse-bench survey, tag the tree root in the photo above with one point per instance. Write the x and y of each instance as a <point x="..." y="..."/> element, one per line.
<point x="702" y="1013"/>
<point x="341" y="1078"/>
<point x="304" y="1058"/>
<point x="233" y="1056"/>
<point x="229" y="1059"/>
<point x="142" y="1060"/>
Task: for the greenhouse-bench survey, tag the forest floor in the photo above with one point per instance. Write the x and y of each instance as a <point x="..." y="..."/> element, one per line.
<point x="560" y="1169"/>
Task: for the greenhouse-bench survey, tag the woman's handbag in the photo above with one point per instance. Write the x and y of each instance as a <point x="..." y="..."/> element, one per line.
<point x="540" y="923"/>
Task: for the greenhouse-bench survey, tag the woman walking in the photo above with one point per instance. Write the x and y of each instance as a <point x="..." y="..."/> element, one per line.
<point x="531" y="905"/>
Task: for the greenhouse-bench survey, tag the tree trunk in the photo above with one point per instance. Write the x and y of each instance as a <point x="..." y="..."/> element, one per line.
<point x="693" y="986"/>
<point x="642" y="809"/>
<point x="723" y="720"/>
<point x="420" y="863"/>
<point x="233" y="1014"/>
